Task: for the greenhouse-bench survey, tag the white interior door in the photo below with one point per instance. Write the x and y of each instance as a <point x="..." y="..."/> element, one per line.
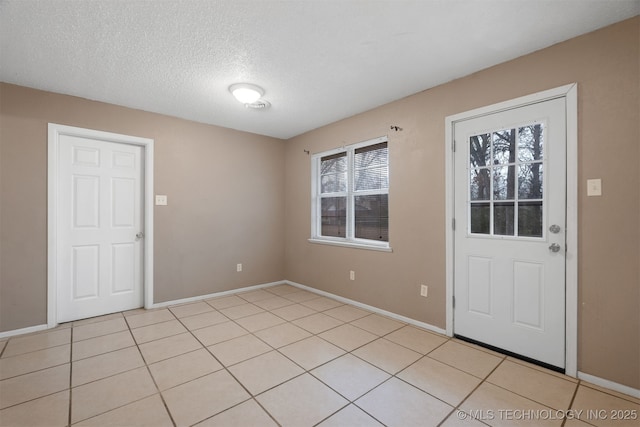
<point x="510" y="213"/>
<point x="100" y="224"/>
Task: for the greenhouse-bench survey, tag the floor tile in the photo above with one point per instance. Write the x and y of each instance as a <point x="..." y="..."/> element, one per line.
<point x="538" y="386"/>
<point x="466" y="358"/>
<point x="51" y="411"/>
<point x="105" y="365"/>
<point x="442" y="381"/>
<point x="246" y="414"/>
<point x="317" y="323"/>
<point x="499" y="407"/>
<point x="311" y="352"/>
<point x="281" y="335"/>
<point x="386" y="355"/>
<point x="347" y="313"/>
<point x="598" y="408"/>
<point x="348" y="337"/>
<point x="103" y="344"/>
<point x="292" y="312"/>
<point x="239" y="311"/>
<point x="273" y="303"/>
<point x="416" y="339"/>
<point x="377" y="324"/>
<point x="217" y="333"/>
<point x="256" y="295"/>
<point x="96" y="319"/>
<point x="201" y="398"/>
<point x="301" y="296"/>
<point x="265" y="371"/>
<point x="149" y="412"/>
<point x="462" y="419"/>
<point x="149" y="318"/>
<point x="303" y="401"/>
<point x="351" y="416"/>
<point x="34" y="361"/>
<point x="110" y="393"/>
<point x="31" y="386"/>
<point x="203" y="320"/>
<point x="609" y="391"/>
<point x="283" y="289"/>
<point x="183" y="368"/>
<point x="99" y="328"/>
<point x="225" y="302"/>
<point x="239" y="349"/>
<point x="350" y="376"/>
<point x="321" y="303"/>
<point x="34" y="342"/>
<point x="157" y="331"/>
<point x="2" y="344"/>
<point x="259" y="321"/>
<point x="192" y="309"/>
<point x="164" y="348"/>
<point x="396" y="403"/>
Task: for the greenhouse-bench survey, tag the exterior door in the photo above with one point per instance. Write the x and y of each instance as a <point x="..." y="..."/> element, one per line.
<point x="510" y="214"/>
<point x="100" y="224"/>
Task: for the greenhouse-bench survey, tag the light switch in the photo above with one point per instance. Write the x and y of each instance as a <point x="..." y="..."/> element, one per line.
<point x="161" y="200"/>
<point x="594" y="187"/>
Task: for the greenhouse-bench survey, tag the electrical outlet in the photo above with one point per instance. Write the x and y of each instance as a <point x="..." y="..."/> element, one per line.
<point x="161" y="200"/>
<point x="352" y="275"/>
<point x="424" y="290"/>
<point x="238" y="267"/>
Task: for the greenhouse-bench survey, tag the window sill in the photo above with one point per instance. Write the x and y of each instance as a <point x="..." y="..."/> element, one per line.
<point x="351" y="245"/>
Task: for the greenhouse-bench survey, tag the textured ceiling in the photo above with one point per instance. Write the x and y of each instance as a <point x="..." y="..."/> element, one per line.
<point x="318" y="61"/>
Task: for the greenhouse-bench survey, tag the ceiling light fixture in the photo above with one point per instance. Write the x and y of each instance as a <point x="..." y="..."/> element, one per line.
<point x="246" y="93"/>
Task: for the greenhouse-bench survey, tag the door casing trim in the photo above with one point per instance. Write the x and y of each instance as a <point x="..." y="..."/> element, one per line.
<point x="570" y="94"/>
<point x="54" y="133"/>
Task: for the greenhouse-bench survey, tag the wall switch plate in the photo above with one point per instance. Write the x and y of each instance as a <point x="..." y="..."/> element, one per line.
<point x="161" y="200"/>
<point x="238" y="268"/>
<point x="594" y="187"/>
<point x="424" y="290"/>
<point x="352" y="275"/>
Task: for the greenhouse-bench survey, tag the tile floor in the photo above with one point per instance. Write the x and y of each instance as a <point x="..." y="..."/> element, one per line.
<point x="280" y="356"/>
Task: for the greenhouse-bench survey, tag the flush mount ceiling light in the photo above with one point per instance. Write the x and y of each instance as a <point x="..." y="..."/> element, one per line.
<point x="249" y="95"/>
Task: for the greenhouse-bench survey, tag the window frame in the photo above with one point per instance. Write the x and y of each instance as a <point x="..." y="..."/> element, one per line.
<point x="316" y="196"/>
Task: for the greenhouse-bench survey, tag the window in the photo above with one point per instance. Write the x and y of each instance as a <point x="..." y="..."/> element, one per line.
<point x="350" y="196"/>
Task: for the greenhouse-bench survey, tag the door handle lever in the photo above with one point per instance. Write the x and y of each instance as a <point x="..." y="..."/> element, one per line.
<point x="140" y="235"/>
<point x="555" y="247"/>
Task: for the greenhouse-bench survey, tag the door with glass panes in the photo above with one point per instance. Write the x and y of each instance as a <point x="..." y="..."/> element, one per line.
<point x="510" y="204"/>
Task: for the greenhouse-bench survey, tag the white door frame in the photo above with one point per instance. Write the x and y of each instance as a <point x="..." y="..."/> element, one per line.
<point x="570" y="94"/>
<point x="54" y="132"/>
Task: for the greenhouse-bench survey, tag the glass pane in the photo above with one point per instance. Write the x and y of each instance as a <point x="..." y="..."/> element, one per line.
<point x="503" y="219"/>
<point x="372" y="217"/>
<point x="333" y="211"/>
<point x="504" y="182"/>
<point x="504" y="146"/>
<point x="333" y="183"/>
<point x="480" y="184"/>
<point x="530" y="181"/>
<point x="334" y="163"/>
<point x="480" y="218"/>
<point x="372" y="156"/>
<point x="530" y="143"/>
<point x="530" y="219"/>
<point x="372" y="179"/>
<point x="480" y="150"/>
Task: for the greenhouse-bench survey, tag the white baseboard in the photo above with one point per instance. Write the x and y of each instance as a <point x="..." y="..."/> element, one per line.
<point x="370" y="308"/>
<point x="28" y="330"/>
<point x="215" y="295"/>
<point x="633" y="392"/>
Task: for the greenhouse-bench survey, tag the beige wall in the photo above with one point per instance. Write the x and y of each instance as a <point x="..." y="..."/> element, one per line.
<point x="225" y="189"/>
<point x="605" y="64"/>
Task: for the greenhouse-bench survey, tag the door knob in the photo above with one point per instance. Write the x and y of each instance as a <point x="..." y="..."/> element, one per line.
<point x="140" y="235"/>
<point x="555" y="247"/>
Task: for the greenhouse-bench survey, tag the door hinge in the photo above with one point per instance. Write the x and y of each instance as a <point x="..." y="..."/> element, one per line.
<point x="453" y="145"/>
<point x="454" y="301"/>
<point x="453" y="223"/>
